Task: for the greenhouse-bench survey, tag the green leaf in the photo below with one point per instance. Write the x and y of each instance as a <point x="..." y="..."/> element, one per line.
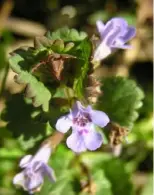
<point x="15" y="153"/>
<point x="121" y="97"/>
<point x="6" y="40"/>
<point x="2" y="56"/>
<point x="142" y="131"/>
<point x="102" y="183"/>
<point x="34" y="88"/>
<point x="67" y="34"/>
<point x="99" y="184"/>
<point x="22" y="59"/>
<point x="61" y="153"/>
<point x="84" y="52"/>
<point x="61" y="186"/>
<point x="114" y="170"/>
<point x="21" y="122"/>
<point x="148" y="188"/>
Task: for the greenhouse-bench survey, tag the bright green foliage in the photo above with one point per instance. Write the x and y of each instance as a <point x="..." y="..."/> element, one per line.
<point x="64" y="43"/>
<point x="61" y="186"/>
<point x="34" y="89"/>
<point x="120" y="99"/>
<point x="142" y="131"/>
<point x="85" y="52"/>
<point x="102" y="183"/>
<point x="58" y="45"/>
<point x="67" y="34"/>
<point x="61" y="153"/>
<point x="148" y="188"/>
<point x="113" y="169"/>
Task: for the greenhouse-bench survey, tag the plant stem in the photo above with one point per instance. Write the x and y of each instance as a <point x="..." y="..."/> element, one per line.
<point x="54" y="140"/>
<point x="6" y="71"/>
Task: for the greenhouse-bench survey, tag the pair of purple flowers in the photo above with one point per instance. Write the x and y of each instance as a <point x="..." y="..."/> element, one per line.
<point x="83" y="137"/>
<point x="82" y="120"/>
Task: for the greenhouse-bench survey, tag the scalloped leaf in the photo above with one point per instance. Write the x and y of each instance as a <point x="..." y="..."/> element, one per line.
<point x="34" y="88"/>
<point x="84" y="50"/>
<point x="114" y="171"/>
<point x="61" y="186"/>
<point x="45" y="43"/>
<point x="67" y="34"/>
<point x="20" y="116"/>
<point x="102" y="183"/>
<point x="120" y="99"/>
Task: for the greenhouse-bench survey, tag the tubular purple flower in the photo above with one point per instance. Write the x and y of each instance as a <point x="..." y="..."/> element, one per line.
<point x="35" y="169"/>
<point x="114" y="34"/>
<point x="82" y="120"/>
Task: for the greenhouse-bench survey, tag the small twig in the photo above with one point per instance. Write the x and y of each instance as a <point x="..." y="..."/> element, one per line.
<point x="4" y="79"/>
<point x="86" y="171"/>
<point x="25" y="27"/>
<point x="5" y="12"/>
<point x="54" y="139"/>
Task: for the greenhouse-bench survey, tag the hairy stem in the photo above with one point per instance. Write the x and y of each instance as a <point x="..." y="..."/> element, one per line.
<point x="54" y="140"/>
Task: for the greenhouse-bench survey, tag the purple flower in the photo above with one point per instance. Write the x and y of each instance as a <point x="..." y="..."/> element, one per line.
<point x="82" y="120"/>
<point x="35" y="168"/>
<point x="114" y="34"/>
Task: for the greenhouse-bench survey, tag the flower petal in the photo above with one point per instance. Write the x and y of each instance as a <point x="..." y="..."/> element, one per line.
<point x="25" y="161"/>
<point x="99" y="118"/>
<point x="102" y="52"/>
<point x="93" y="140"/>
<point x="34" y="182"/>
<point x="107" y="29"/>
<point x="131" y="31"/>
<point x="117" y="21"/>
<point x="43" y="154"/>
<point x="19" y="179"/>
<point x="48" y="171"/>
<point x="111" y="38"/>
<point x="76" y="142"/>
<point x="63" y="124"/>
<point x="121" y="46"/>
<point x="100" y="27"/>
<point x="77" y="108"/>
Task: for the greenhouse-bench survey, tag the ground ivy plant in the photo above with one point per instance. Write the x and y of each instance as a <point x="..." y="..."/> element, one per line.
<point x="61" y="93"/>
